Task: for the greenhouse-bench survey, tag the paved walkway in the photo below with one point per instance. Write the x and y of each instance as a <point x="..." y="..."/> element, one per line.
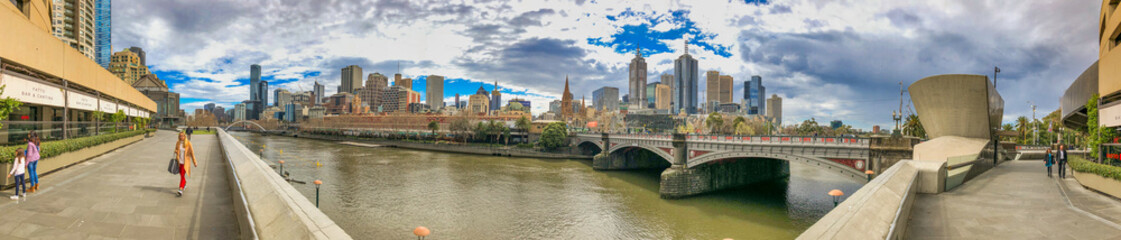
<point x="1015" y="200"/>
<point x="127" y="193"/>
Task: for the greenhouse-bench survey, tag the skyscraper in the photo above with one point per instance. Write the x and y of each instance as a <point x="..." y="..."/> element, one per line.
<point x="103" y="26"/>
<point x="606" y="99"/>
<point x="685" y="83"/>
<point x="73" y="22"/>
<point x="317" y="92"/>
<point x="775" y="110"/>
<point x="495" y="98"/>
<point x="254" y="79"/>
<point x="712" y="87"/>
<point x="652" y="94"/>
<point x="663" y="95"/>
<point x="725" y="95"/>
<point x="434" y="92"/>
<point x="638" y="80"/>
<point x="456" y="103"/>
<point x="754" y="94"/>
<point x="263" y="90"/>
<point x="351" y="79"/>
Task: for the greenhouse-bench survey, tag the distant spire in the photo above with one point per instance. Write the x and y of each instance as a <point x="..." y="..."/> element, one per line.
<point x="638" y="50"/>
<point x="686" y="46"/>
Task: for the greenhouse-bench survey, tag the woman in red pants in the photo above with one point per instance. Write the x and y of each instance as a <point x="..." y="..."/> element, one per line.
<point x="184" y="153"/>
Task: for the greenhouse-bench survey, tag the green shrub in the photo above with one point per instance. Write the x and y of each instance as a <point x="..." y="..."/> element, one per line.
<point x="55" y="148"/>
<point x="1081" y="165"/>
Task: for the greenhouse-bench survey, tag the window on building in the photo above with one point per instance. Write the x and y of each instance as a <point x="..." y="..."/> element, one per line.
<point x="18" y="3"/>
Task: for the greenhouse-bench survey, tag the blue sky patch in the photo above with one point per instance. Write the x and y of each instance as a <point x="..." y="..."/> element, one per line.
<point x="629" y="37"/>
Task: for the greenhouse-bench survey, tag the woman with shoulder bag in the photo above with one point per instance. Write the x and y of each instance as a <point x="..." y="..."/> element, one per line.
<point x="184" y="153"/>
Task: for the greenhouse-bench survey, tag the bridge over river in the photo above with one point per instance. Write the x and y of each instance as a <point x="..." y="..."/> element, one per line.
<point x="697" y="164"/>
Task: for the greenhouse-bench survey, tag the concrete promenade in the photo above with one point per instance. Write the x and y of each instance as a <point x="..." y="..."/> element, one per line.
<point x="1016" y="200"/>
<point x="128" y="193"/>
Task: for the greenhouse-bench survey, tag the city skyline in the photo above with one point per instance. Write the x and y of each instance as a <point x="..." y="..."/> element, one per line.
<point x="804" y="51"/>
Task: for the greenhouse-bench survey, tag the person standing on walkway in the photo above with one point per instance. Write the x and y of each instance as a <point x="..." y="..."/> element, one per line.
<point x="33" y="161"/>
<point x="1062" y="161"/>
<point x="184" y="152"/>
<point x="1048" y="160"/>
<point x="18" y="166"/>
<point x="189" y="132"/>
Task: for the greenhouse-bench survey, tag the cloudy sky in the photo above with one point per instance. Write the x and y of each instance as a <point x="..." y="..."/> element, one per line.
<point x="827" y="59"/>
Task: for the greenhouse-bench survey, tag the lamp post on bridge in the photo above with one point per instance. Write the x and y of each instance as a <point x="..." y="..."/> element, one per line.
<point x="836" y="193"/>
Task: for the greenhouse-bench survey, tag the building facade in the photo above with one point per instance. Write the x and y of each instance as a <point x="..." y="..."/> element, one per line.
<point x="74" y="22"/>
<point x="774" y="109"/>
<point x="167" y="102"/>
<point x="1109" y="64"/>
<point x="377" y="81"/>
<point x="664" y="96"/>
<point x="566" y="102"/>
<point x="317" y="93"/>
<point x="606" y="99"/>
<point x="434" y="94"/>
<point x="140" y="52"/>
<point x="351" y="79"/>
<point x="725" y="93"/>
<point x="103" y="28"/>
<point x="127" y="66"/>
<point x="754" y="95"/>
<point x="637" y="73"/>
<point x="685" y="83"/>
<point x="479" y="102"/>
<point x="495" y="98"/>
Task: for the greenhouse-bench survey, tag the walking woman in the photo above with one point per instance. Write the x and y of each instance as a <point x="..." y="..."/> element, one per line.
<point x="184" y="152"/>
<point x="18" y="171"/>
<point x="33" y="161"/>
<point x="1048" y="160"/>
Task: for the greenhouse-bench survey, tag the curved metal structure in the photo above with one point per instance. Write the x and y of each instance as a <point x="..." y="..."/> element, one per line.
<point x="227" y="128"/>
<point x="957" y="105"/>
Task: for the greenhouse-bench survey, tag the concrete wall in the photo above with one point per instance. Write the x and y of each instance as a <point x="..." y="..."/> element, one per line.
<point x="957" y="105"/>
<point x="51" y="164"/>
<point x="275" y="209"/>
<point x="879" y="210"/>
<point x="1108" y="186"/>
<point x="887" y="151"/>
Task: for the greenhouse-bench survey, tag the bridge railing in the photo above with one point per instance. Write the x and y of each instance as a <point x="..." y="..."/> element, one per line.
<point x="806" y="140"/>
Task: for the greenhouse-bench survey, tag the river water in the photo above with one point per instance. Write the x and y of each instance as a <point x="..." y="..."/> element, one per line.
<point x="383" y="193"/>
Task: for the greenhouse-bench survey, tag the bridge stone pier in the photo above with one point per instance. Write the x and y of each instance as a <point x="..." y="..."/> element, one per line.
<point x="697" y="164"/>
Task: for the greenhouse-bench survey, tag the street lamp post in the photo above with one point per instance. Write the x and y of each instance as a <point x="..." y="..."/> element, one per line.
<point x="317" y="183"/>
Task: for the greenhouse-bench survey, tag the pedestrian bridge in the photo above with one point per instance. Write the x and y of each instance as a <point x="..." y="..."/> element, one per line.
<point x="713" y="162"/>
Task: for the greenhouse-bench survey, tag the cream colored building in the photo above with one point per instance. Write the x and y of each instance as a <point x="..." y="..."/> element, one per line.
<point x="478" y="103"/>
<point x="126" y="65"/>
<point x="663" y="95"/>
<point x="55" y="81"/>
<point x="1109" y="63"/>
<point x="73" y="23"/>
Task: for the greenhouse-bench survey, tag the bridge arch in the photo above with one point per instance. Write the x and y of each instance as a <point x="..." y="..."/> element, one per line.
<point x="826" y="164"/>
<point x="666" y="156"/>
<point x="227" y="128"/>
<point x="589" y="147"/>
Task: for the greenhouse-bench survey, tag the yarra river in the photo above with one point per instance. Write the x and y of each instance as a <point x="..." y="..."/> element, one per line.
<point x="383" y="193"/>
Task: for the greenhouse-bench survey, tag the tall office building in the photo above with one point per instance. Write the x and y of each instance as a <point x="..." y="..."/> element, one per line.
<point x="434" y="92"/>
<point x="103" y="27"/>
<point x="554" y="106"/>
<point x="317" y="93"/>
<point x="140" y="53"/>
<point x="663" y="95"/>
<point x="377" y="81"/>
<point x="127" y="66"/>
<point x="637" y="80"/>
<point x="754" y="94"/>
<point x="685" y="75"/>
<point x="606" y="99"/>
<point x="254" y="78"/>
<point x="774" y="109"/>
<point x="456" y="103"/>
<point x="495" y="98"/>
<point x="725" y="95"/>
<point x="351" y="79"/>
<point x="651" y="94"/>
<point x="263" y="90"/>
<point x="209" y="107"/>
<point x="281" y="97"/>
<point x="73" y="22"/>
<point x="712" y="86"/>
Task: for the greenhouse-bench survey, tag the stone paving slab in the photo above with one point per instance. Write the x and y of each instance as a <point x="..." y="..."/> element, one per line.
<point x="128" y="194"/>
<point x="1015" y="200"/>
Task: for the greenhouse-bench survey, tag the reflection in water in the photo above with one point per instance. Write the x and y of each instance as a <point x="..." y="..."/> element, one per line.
<point x="383" y="193"/>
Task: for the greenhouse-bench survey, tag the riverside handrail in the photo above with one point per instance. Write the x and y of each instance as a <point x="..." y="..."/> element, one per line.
<point x="244" y="215"/>
<point x="271" y="199"/>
